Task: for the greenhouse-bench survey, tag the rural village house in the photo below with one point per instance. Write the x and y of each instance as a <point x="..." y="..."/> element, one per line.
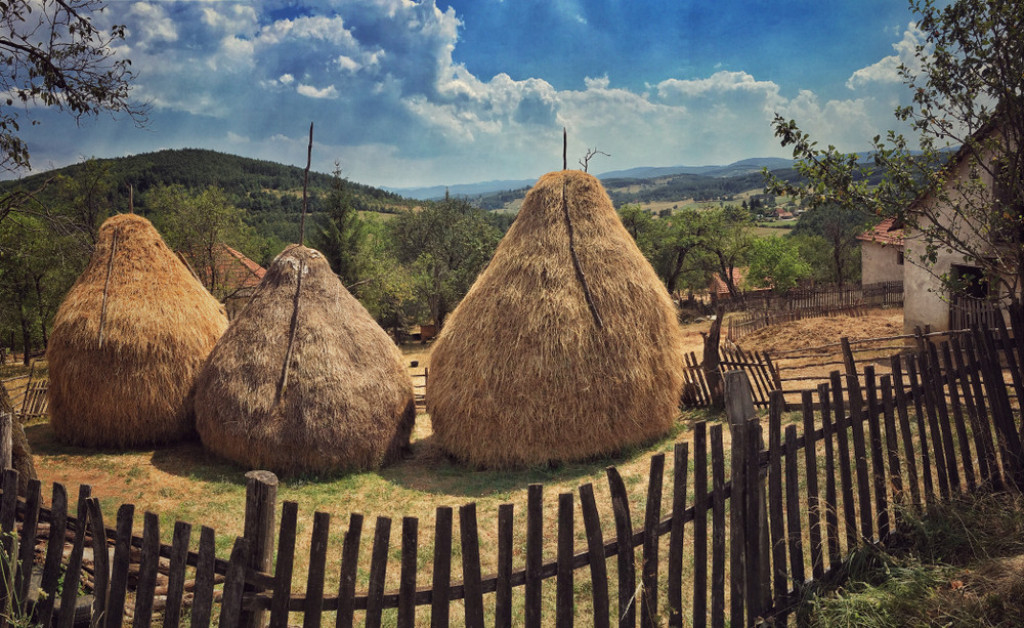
<point x="881" y="253"/>
<point x="926" y="301"/>
<point x="232" y="277"/>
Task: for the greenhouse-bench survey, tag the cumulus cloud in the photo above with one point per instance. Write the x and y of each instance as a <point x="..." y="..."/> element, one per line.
<point x="886" y="70"/>
<point x="381" y="82"/>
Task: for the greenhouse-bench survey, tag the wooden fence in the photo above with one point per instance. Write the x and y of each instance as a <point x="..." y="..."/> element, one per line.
<point x="758" y="367"/>
<point x="739" y="538"/>
<point x="885" y="294"/>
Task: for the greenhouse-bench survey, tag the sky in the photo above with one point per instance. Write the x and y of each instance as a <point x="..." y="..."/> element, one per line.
<point x="439" y="92"/>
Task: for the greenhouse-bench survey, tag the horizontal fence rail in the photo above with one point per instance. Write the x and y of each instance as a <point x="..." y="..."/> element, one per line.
<point x="731" y="527"/>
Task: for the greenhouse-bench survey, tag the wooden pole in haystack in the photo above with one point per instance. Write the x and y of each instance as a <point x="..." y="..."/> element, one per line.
<point x="305" y="185"/>
<point x="565" y="149"/>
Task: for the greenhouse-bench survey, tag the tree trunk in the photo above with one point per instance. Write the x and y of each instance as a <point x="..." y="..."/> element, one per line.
<point x="712" y="370"/>
<point x="26" y="338"/>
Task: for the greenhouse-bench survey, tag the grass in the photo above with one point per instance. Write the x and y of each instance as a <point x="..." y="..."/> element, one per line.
<point x="960" y="563"/>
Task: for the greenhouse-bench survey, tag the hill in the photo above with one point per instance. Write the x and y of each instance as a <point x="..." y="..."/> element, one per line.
<point x="253" y="184"/>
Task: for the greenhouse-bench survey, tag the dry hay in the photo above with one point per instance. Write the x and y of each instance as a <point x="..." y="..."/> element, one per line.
<point x="816" y="332"/>
<point x="304" y="380"/>
<point x="523" y="373"/>
<point x="128" y="341"/>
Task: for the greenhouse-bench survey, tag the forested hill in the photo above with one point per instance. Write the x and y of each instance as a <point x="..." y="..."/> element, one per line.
<point x="253" y="184"/>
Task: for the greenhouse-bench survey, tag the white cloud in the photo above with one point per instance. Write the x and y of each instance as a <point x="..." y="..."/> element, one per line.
<point x="886" y="70"/>
<point x="151" y="24"/>
<point x="312" y="92"/>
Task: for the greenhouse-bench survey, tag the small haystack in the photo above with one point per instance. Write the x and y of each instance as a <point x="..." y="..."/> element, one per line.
<point x="304" y="380"/>
<point x="128" y="341"/>
<point x="565" y="348"/>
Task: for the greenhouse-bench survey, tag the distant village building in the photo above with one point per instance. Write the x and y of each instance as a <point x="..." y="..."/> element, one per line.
<point x="232" y="277"/>
<point x="881" y="253"/>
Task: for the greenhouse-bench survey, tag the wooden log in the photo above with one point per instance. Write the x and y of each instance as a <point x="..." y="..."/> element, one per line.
<point x="700" y="524"/>
<point x="534" y="555"/>
<point x="813" y="493"/>
<point x="877" y="457"/>
<point x="147" y="571"/>
<point x="935" y="380"/>
<point x="73" y="571"/>
<point x="350" y="564"/>
<point x="794" y="536"/>
<point x="407" y="579"/>
<point x="966" y="458"/>
<point x="776" y="503"/>
<point x="649" y="568"/>
<point x="909" y="455"/>
<point x="378" y="572"/>
<point x="472" y="589"/>
<point x="831" y="501"/>
<point x="917" y="392"/>
<point x="284" y="566"/>
<point x="234" y="585"/>
<point x="624" y="535"/>
<point x="984" y="426"/>
<point x="6" y="439"/>
<point x="564" y="609"/>
<point x="315" y="577"/>
<point x="101" y="559"/>
<point x="845" y="473"/>
<point x="260" y="508"/>
<point x="9" y="541"/>
<point x="892" y="448"/>
<point x="860" y="455"/>
<point x="503" y="592"/>
<point x="202" y="597"/>
<point x="442" y="567"/>
<point x="718" y="527"/>
<point x="596" y="556"/>
<point x="675" y="544"/>
<point x="28" y="542"/>
<point x="176" y="575"/>
<point x="119" y="567"/>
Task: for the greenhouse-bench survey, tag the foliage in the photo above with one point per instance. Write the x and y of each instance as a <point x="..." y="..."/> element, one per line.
<point x="340" y="233"/>
<point x="198" y="225"/>
<point x="838" y="227"/>
<point x="967" y="82"/>
<point x="53" y="55"/>
<point x="445" y="245"/>
<point x="776" y="263"/>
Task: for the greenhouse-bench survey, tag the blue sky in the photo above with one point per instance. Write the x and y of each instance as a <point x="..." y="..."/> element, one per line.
<point x="428" y="92"/>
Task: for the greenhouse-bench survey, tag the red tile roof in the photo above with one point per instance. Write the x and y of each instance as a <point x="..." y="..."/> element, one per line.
<point x="235" y="271"/>
<point x="884" y="232"/>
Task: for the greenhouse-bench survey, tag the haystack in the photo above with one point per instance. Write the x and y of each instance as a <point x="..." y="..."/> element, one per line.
<point x="304" y="380"/>
<point x="128" y="342"/>
<point x="565" y="348"/>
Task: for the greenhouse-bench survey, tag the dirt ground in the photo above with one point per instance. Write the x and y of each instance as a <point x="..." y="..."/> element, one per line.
<point x="815" y="332"/>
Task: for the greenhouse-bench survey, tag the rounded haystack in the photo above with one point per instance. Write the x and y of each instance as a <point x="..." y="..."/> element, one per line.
<point x="304" y="380"/>
<point x="565" y="348"/>
<point x="128" y="342"/>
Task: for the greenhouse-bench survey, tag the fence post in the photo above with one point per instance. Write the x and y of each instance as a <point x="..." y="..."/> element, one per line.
<point x="6" y="444"/>
<point x="750" y="518"/>
<point x="260" y="506"/>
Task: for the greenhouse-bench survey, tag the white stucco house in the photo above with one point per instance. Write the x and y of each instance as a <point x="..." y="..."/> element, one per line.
<point x="881" y="253"/>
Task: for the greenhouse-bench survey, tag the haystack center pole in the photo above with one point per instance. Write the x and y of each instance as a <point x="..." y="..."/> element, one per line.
<point x="565" y="149"/>
<point x="291" y="334"/>
<point x="305" y="185"/>
<point x="576" y="260"/>
<point x="106" y="286"/>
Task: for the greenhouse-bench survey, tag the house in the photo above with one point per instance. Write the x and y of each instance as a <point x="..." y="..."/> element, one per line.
<point x="231" y="277"/>
<point x="927" y="303"/>
<point x="881" y="253"/>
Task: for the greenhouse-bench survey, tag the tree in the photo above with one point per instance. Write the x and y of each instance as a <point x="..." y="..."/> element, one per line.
<point x="340" y="234"/>
<point x="968" y="93"/>
<point x="728" y="240"/>
<point x="838" y="227"/>
<point x="199" y="224"/>
<point x="776" y="263"/>
<point x="446" y="245"/>
<point x="53" y="55"/>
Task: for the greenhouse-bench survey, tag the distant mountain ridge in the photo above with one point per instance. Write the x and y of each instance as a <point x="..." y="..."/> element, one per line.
<point x="743" y="167"/>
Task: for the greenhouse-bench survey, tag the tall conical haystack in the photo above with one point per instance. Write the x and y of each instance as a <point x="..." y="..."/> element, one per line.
<point x="526" y="371"/>
<point x="304" y="380"/>
<point x="128" y="342"/>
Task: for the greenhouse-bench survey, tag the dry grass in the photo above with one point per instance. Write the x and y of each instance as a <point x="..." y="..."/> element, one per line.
<point x="304" y="380"/>
<point x="516" y="372"/>
<point x="128" y="342"/>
